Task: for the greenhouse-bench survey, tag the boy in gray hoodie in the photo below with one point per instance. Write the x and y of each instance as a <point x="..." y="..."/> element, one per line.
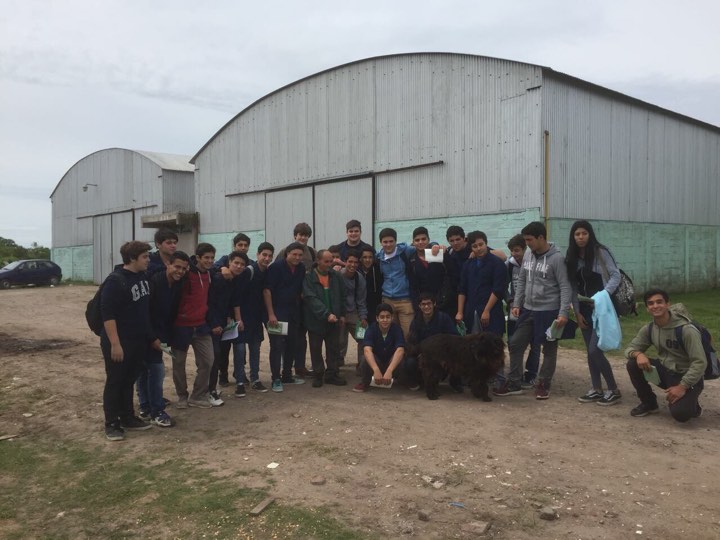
<point x="680" y="365"/>
<point x="542" y="296"/>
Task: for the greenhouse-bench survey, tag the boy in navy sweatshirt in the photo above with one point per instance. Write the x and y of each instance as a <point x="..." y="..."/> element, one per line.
<point x="282" y="292"/>
<point x="165" y="289"/>
<point x="166" y="244"/>
<point x="191" y="328"/>
<point x="125" y="338"/>
<point x="224" y="307"/>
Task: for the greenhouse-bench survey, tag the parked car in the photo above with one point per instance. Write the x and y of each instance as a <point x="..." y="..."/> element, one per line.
<point x="35" y="271"/>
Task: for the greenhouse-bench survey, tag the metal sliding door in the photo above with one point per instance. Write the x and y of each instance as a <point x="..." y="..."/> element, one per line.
<point x="337" y="203"/>
<point x="284" y="210"/>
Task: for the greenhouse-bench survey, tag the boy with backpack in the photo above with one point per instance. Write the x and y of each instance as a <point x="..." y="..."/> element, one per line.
<point x="679" y="367"/>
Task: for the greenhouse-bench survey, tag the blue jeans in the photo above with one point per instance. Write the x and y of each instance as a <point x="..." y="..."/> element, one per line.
<point x="150" y="384"/>
<point x="239" y="356"/>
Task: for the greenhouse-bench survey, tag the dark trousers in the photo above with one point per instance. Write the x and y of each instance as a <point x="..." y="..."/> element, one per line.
<point x="299" y="350"/>
<point x="223" y="359"/>
<point x="406" y="371"/>
<point x="120" y="378"/>
<point x="282" y="350"/>
<point x="218" y="347"/>
<point x="328" y="366"/>
<point x="597" y="362"/>
<point x="684" y="408"/>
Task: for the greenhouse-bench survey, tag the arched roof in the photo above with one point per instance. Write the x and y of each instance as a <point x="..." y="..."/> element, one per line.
<point x="167" y="162"/>
<point x="568" y="78"/>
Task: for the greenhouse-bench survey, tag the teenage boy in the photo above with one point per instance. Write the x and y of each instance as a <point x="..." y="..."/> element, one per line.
<point x="383" y="350"/>
<point x="281" y="293"/>
<point x="223" y="308"/>
<point x="241" y="244"/>
<point x="430" y="276"/>
<point x="356" y="313"/>
<point x="517" y="246"/>
<point x="191" y="328"/>
<point x="166" y="244"/>
<point x="125" y="338"/>
<point x="680" y="364"/>
<point x="483" y="283"/>
<point x="395" y="266"/>
<point x="429" y="321"/>
<point x="370" y="270"/>
<point x="542" y="297"/>
<point x="165" y="289"/>
<point x="301" y="235"/>
<point x="323" y="313"/>
<point x="353" y="230"/>
<point x="252" y="312"/>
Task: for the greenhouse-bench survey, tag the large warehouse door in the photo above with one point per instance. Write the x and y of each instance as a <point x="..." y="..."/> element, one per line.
<point x="284" y="210"/>
<point x="102" y="247"/>
<point x="122" y="231"/>
<point x="336" y="204"/>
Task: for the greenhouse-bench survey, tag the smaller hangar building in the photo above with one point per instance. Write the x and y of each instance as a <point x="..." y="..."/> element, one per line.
<point x="115" y="195"/>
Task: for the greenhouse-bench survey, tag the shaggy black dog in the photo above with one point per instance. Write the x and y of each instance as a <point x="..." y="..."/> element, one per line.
<point x="476" y="358"/>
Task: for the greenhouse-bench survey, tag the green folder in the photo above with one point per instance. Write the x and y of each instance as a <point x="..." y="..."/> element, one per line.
<point x="652" y="376"/>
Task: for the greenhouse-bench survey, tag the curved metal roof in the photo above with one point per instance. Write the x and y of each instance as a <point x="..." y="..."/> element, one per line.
<point x="167" y="162"/>
<point x="569" y="78"/>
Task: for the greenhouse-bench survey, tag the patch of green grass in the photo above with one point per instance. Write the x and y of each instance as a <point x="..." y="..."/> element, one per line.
<point x="61" y="490"/>
<point x="702" y="305"/>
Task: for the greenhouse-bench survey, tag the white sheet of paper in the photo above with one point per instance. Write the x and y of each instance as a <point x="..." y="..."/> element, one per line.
<point x="429" y="257"/>
<point x="230" y="332"/>
<point x="280" y="330"/>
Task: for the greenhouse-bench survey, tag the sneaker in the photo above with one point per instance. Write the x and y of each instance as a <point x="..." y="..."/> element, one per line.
<point x="135" y="424"/>
<point x="113" y="432"/>
<point x="508" y="390"/>
<point x="336" y="380"/>
<point x="162" y="420"/>
<point x="610" y="398"/>
<point x="223" y="381"/>
<point x="591" y="396"/>
<point x="277" y="385"/>
<point x="199" y="403"/>
<point x="214" y="399"/>
<point x="527" y="385"/>
<point x="414" y="388"/>
<point x="293" y="380"/>
<point x="302" y="372"/>
<point x="360" y="387"/>
<point x="144" y="414"/>
<point x="182" y="403"/>
<point x="240" y="391"/>
<point x="258" y="386"/>
<point x="644" y="410"/>
<point x="317" y="382"/>
<point x="542" y="391"/>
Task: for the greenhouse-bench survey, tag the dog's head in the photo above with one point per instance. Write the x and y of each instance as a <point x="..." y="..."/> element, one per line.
<point x="488" y="350"/>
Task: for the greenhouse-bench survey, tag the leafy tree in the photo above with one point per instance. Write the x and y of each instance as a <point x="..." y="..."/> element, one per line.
<point x="10" y="251"/>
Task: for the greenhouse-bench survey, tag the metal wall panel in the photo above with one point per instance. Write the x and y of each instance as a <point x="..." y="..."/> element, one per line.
<point x="102" y="247"/>
<point x="338" y="203"/>
<point x="284" y="210"/>
<point x="245" y="212"/>
<point x="178" y="191"/>
<point x="388" y="113"/>
<point x="611" y="159"/>
<point x="122" y="231"/>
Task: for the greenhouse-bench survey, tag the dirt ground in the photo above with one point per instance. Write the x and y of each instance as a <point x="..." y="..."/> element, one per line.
<point x="390" y="455"/>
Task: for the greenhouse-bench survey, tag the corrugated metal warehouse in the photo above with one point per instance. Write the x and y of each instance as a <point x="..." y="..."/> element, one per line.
<point x="439" y="139"/>
<point x="116" y="195"/>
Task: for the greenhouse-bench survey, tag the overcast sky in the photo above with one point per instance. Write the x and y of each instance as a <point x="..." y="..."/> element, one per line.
<point x="164" y="76"/>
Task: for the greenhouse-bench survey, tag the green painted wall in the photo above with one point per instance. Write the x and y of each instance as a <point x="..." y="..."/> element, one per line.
<point x="673" y="257"/>
<point x="76" y="262"/>
<point x="223" y="241"/>
<point x="499" y="228"/>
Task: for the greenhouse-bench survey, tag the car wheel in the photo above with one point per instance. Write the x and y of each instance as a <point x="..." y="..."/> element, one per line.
<point x="54" y="281"/>
<point x="4" y="284"/>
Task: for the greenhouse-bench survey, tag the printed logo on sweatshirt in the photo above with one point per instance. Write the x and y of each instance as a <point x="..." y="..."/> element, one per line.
<point x="672" y="344"/>
<point x="139" y="290"/>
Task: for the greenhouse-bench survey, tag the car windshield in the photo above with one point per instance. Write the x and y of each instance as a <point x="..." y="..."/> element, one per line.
<point x="12" y="265"/>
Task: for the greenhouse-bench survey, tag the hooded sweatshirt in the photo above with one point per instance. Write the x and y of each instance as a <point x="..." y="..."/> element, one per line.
<point x="688" y="360"/>
<point x="543" y="284"/>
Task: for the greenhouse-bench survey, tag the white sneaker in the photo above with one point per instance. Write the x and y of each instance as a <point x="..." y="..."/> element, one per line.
<point x="215" y="400"/>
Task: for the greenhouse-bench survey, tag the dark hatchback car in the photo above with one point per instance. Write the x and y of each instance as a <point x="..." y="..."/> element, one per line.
<point x="33" y="271"/>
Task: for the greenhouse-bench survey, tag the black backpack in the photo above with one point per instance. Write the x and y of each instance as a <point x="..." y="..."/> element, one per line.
<point x="712" y="367"/>
<point x="93" y="315"/>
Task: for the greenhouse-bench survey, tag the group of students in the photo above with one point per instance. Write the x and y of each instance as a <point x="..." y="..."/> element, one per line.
<point x="166" y="301"/>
